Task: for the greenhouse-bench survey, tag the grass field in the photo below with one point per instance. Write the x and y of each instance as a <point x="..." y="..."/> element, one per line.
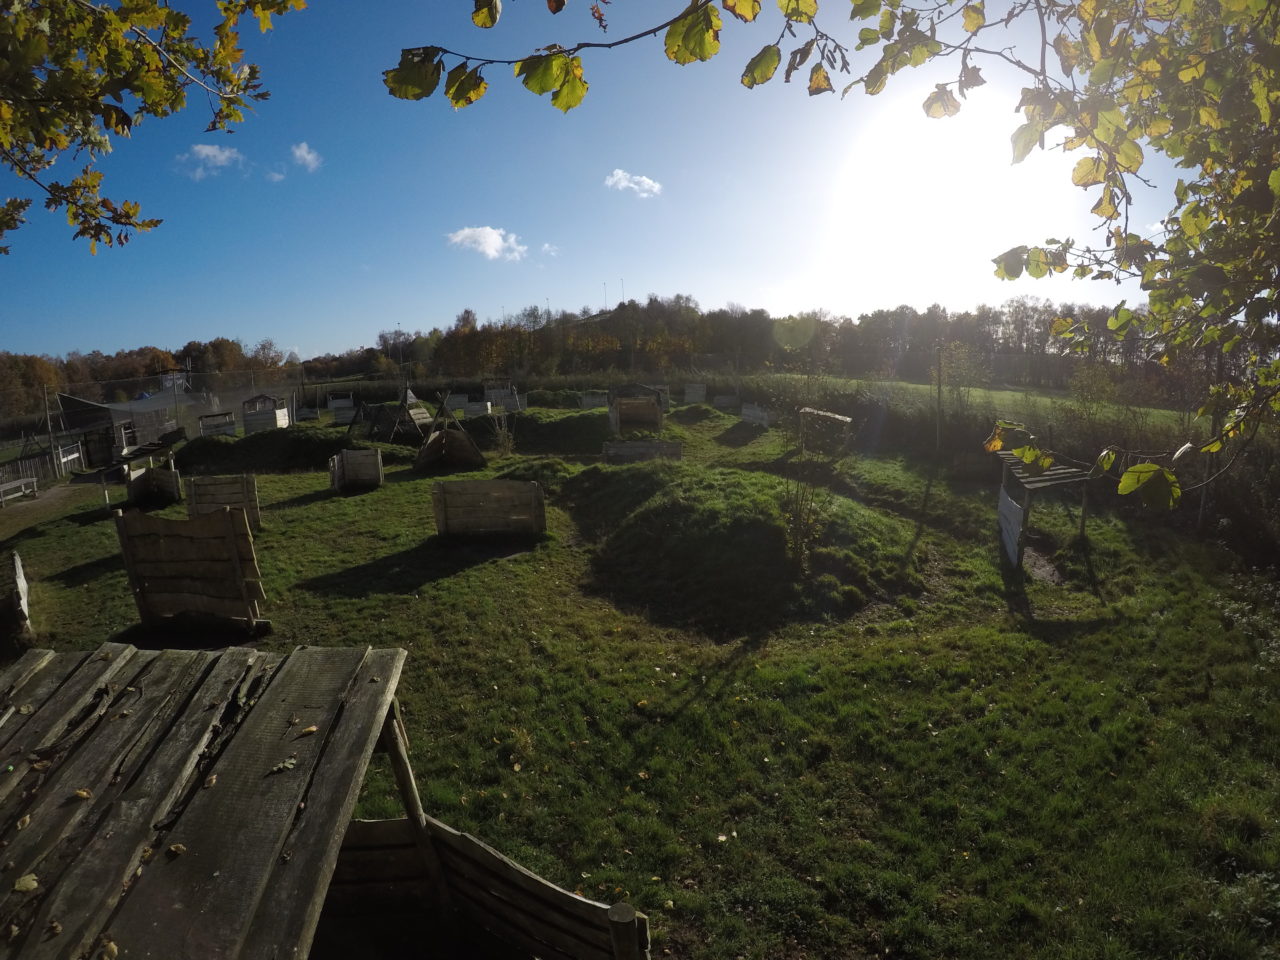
<point x="895" y="749"/>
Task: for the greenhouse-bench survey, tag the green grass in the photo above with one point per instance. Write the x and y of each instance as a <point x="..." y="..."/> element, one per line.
<point x="957" y="765"/>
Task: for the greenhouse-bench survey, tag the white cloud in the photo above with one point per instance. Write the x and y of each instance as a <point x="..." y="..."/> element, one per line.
<point x="304" y="156"/>
<point x="275" y="176"/>
<point x="643" y="186"/>
<point x="492" y="242"/>
<point x="551" y="250"/>
<point x="208" y="159"/>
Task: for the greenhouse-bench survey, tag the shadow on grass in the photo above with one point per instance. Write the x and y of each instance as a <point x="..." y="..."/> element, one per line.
<point x="189" y="632"/>
<point x="301" y="500"/>
<point x="739" y="435"/>
<point x="436" y="558"/>
<point x="89" y="571"/>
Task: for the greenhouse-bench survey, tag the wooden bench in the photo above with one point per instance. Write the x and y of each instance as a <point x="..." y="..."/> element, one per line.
<point x="14" y="489"/>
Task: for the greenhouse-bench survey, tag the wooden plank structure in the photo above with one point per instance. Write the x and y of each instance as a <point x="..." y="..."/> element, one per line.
<point x="15" y="608"/>
<point x="503" y="394"/>
<point x="217" y="424"/>
<point x="634" y="406"/>
<point x="825" y="431"/>
<point x="634" y="451"/>
<point x="489" y="507"/>
<point x="590" y="399"/>
<point x="195" y="805"/>
<point x="343" y="406"/>
<point x="1014" y="516"/>
<point x="264" y="412"/>
<point x="15" y="489"/>
<point x="725" y="401"/>
<point x="448" y="445"/>
<point x="695" y="393"/>
<point x="205" y="565"/>
<point x="405" y="422"/>
<point x="211" y="494"/>
<point x="355" y="470"/>
<point x="152" y="484"/>
<point x="755" y="413"/>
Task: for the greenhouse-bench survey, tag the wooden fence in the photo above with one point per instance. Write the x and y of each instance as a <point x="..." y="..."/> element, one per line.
<point x="478" y="507"/>
<point x="152" y="484"/>
<point x="211" y="494"/>
<point x="502" y="911"/>
<point x="355" y="470"/>
<point x="633" y="451"/>
<point x="590" y="399"/>
<point x="38" y="467"/>
<point x="1011" y="515"/>
<point x="205" y="565"/>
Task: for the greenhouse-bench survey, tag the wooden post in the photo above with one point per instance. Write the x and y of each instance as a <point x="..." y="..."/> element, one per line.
<point x="396" y="743"/>
<point x="1084" y="505"/>
<point x="624" y="934"/>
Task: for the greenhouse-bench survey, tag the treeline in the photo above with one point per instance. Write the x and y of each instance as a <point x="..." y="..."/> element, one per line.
<point x="1011" y="345"/>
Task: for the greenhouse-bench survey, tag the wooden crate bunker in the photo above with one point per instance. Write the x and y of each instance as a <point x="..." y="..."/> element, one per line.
<point x="489" y="507"/>
<point x="205" y="565"/>
<point x="264" y="412"/>
<point x="355" y="470"/>
<point x="196" y="805"/>
<point x="211" y="494"/>
<point x="1013" y="516"/>
<point x="634" y="406"/>
<point x="152" y="484"/>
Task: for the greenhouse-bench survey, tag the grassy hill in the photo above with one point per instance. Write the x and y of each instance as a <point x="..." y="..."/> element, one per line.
<point x="895" y="747"/>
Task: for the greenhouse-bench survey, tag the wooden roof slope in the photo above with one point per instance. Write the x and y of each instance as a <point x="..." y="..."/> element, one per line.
<point x="180" y="803"/>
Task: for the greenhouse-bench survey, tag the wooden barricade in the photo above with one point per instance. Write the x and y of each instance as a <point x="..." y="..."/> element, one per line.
<point x="635" y="413"/>
<point x="754" y="413"/>
<point x="695" y="393"/>
<point x="152" y="484"/>
<point x="217" y="424"/>
<point x="633" y="451"/>
<point x="724" y="401"/>
<point x="15" y="610"/>
<point x="591" y="399"/>
<point x="355" y="470"/>
<point x="210" y="494"/>
<point x="255" y="421"/>
<point x="502" y="909"/>
<point x="204" y="565"/>
<point x="479" y="507"/>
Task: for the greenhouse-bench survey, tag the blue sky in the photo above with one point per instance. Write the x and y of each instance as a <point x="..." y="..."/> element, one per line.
<point x="343" y="211"/>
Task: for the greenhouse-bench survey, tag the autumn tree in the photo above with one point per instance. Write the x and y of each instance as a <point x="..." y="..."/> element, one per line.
<point x="74" y="74"/>
<point x="1196" y="80"/>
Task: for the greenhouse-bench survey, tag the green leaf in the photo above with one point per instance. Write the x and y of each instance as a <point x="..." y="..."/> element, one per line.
<point x="543" y="74"/>
<point x="1025" y="139"/>
<point x="941" y="103"/>
<point x="464" y="87"/>
<point x="695" y="36"/>
<point x="1129" y="156"/>
<point x="1106" y="459"/>
<point x="975" y="17"/>
<point x="761" y="68"/>
<point x="1159" y="487"/>
<point x="1037" y="262"/>
<point x="1120" y="320"/>
<point x="1088" y="171"/>
<point x="744" y="10"/>
<point x="819" y="81"/>
<point x="572" y="90"/>
<point x="799" y="11"/>
<point x="486" y="13"/>
<point x="1009" y="264"/>
<point x="1273" y="181"/>
<point x="862" y="9"/>
<point x="415" y="78"/>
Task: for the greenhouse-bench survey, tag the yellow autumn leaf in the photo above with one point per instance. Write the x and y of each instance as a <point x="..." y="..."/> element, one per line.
<point x="975" y="17"/>
<point x="26" y="883"/>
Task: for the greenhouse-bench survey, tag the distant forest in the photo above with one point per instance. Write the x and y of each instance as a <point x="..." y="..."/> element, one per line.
<point x="1012" y="345"/>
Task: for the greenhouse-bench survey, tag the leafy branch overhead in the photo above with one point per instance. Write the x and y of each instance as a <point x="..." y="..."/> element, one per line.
<point x="76" y="74"/>
<point x="1112" y="80"/>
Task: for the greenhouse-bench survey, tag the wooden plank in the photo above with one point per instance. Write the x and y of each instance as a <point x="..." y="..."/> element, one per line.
<point x="574" y="939"/>
<point x="103" y="867"/>
<point x="74" y="689"/>
<point x="512" y="934"/>
<point x="1010" y="516"/>
<point x="58" y="822"/>
<point x="224" y="587"/>
<point x="630" y="932"/>
<point x="236" y="830"/>
<point x="311" y="849"/>
<point x="457" y="847"/>
<point x="152" y="570"/>
<point x="379" y="865"/>
<point x="178" y="547"/>
<point x="21" y="670"/>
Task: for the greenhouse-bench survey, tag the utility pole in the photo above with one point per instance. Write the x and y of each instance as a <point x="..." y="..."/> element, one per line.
<point x="53" y="458"/>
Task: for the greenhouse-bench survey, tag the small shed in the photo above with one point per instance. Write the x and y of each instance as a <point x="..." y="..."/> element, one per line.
<point x="193" y="804"/>
<point x="211" y="494"/>
<point x="264" y="412"/>
<point x="217" y="424"/>
<point x="634" y="406"/>
<point x="355" y="470"/>
<point x="1019" y="482"/>
<point x="206" y="565"/>
<point x="489" y="507"/>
